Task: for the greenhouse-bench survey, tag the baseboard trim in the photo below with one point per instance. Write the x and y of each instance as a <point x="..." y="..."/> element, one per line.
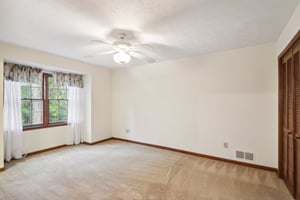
<point x="45" y="150"/>
<point x="200" y="155"/>
<point x="97" y="142"/>
<point x="61" y="146"/>
<point x="161" y="147"/>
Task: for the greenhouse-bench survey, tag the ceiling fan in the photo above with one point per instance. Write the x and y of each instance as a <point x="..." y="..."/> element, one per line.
<point x="123" y="50"/>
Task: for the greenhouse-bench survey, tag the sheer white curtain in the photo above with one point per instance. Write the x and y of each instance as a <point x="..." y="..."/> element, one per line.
<point x="75" y="115"/>
<point x="12" y="120"/>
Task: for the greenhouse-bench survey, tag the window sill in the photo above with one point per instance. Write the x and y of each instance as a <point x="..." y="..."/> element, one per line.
<point x="29" y="128"/>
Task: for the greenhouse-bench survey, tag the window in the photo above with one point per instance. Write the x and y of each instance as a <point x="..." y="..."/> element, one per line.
<point x="32" y="104"/>
<point x="44" y="105"/>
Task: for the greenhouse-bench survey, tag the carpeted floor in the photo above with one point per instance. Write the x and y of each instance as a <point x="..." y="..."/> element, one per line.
<point x="118" y="170"/>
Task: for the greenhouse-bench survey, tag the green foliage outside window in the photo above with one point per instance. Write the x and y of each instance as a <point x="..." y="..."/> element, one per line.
<point x="58" y="103"/>
<point x="32" y="104"/>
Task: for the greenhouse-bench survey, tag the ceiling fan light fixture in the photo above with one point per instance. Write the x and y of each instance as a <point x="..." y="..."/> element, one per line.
<point x="122" y="57"/>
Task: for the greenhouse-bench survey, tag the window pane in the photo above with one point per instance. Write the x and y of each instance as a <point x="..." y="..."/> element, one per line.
<point x="62" y="94"/>
<point x="25" y="107"/>
<point x="37" y="118"/>
<point x="32" y="112"/>
<point x="58" y="103"/>
<point x="56" y="92"/>
<point x="37" y="106"/>
<point x="32" y="104"/>
<point x="25" y="91"/>
<point x="52" y="93"/>
<point x="50" y="82"/>
<point x="63" y="110"/>
<point x="53" y="111"/>
<point x="58" y="111"/>
<point x="36" y="92"/>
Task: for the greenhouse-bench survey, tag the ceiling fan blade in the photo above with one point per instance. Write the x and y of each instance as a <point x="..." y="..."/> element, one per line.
<point x="141" y="56"/>
<point x="101" y="53"/>
<point x="147" y="47"/>
<point x="102" y="41"/>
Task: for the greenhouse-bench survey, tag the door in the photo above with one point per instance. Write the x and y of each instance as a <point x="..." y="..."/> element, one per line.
<point x="296" y="56"/>
<point x="288" y="120"/>
<point x="289" y="116"/>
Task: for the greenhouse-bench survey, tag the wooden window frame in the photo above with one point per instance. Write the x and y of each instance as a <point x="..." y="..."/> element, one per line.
<point x="45" y="100"/>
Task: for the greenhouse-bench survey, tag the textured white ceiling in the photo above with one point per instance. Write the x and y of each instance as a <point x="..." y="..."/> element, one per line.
<point x="175" y="28"/>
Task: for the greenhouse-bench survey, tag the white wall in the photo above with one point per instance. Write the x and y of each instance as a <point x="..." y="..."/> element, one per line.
<point x="39" y="139"/>
<point x="101" y="106"/>
<point x="198" y="103"/>
<point x="97" y="88"/>
<point x="289" y="31"/>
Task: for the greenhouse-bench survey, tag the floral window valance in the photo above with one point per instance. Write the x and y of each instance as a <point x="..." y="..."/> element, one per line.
<point x="67" y="79"/>
<point x="22" y="73"/>
<point x="28" y="74"/>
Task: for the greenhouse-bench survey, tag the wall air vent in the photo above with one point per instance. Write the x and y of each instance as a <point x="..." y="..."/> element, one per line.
<point x="249" y="156"/>
<point x="244" y="155"/>
<point x="240" y="154"/>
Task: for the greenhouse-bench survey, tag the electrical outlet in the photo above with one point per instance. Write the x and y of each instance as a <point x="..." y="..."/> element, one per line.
<point x="226" y="145"/>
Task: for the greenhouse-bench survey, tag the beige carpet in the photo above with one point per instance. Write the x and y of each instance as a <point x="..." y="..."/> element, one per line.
<point x="119" y="170"/>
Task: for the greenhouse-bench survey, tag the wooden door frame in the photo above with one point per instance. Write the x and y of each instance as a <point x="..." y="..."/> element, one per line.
<point x="280" y="110"/>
